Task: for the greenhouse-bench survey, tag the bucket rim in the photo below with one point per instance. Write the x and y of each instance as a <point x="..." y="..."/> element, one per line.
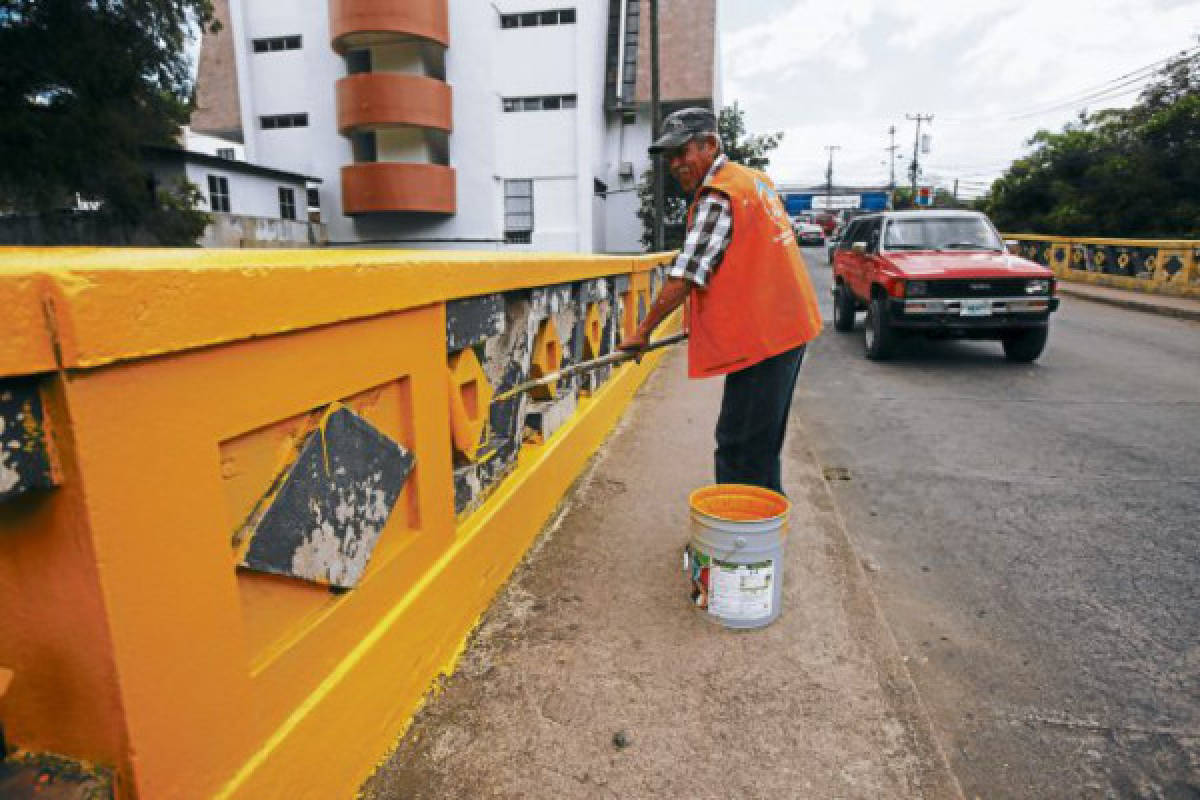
<point x="743" y="488"/>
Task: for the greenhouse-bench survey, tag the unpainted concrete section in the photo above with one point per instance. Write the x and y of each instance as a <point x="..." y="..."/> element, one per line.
<point x="504" y="328"/>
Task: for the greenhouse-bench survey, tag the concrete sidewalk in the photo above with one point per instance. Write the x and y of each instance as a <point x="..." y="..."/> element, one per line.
<point x="1167" y="305"/>
<point x="593" y="676"/>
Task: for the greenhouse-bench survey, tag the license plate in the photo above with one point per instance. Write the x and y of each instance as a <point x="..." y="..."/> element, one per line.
<point x="977" y="308"/>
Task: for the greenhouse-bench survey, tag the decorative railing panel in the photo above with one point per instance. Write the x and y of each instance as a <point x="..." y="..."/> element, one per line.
<point x="1167" y="266"/>
<point x="281" y="480"/>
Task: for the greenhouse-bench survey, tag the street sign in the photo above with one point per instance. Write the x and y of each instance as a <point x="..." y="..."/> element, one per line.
<point x="834" y="202"/>
<point x="924" y="196"/>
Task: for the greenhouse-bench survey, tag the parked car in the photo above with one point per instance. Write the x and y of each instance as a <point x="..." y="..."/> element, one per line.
<point x="944" y="274"/>
<point x="810" y="233"/>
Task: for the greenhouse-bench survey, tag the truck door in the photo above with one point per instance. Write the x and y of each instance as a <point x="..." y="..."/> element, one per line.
<point x="845" y="259"/>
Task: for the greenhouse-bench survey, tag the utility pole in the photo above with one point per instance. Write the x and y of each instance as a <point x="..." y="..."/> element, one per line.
<point x="829" y="177"/>
<point x="892" y="156"/>
<point x="956" y="192"/>
<point x="915" y="168"/>
<point x="656" y="130"/>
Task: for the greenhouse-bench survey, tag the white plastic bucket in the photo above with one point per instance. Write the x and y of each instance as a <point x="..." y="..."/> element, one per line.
<point x="735" y="556"/>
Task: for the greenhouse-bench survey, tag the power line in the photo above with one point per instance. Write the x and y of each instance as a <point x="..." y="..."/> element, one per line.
<point x="1094" y="93"/>
<point x="1094" y="97"/>
<point x="1139" y="74"/>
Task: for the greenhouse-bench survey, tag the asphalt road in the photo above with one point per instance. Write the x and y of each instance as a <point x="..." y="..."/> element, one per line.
<point x="1033" y="535"/>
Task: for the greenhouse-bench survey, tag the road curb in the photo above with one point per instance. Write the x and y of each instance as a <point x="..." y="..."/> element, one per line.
<point x="1132" y="303"/>
<point x="864" y="608"/>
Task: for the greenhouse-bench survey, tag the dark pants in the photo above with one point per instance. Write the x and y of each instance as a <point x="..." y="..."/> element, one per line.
<point x="753" y="420"/>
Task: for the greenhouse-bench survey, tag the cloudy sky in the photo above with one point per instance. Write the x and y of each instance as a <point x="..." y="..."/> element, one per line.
<point x="992" y="72"/>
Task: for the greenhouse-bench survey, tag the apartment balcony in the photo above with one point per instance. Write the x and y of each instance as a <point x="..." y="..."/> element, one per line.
<point x="382" y="99"/>
<point x="360" y="23"/>
<point x="381" y="186"/>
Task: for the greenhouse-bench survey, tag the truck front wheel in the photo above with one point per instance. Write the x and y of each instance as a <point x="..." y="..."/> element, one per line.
<point x="880" y="337"/>
<point x="1026" y="346"/>
<point x="843" y="309"/>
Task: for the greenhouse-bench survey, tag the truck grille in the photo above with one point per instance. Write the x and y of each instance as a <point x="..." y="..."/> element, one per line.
<point x="980" y="287"/>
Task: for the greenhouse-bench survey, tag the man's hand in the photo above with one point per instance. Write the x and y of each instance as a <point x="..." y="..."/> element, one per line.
<point x="635" y="344"/>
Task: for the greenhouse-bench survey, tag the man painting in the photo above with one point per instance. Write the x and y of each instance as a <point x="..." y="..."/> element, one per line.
<point x="751" y="306"/>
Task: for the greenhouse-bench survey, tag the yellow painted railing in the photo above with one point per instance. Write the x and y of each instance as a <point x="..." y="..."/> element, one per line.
<point x="1167" y="266"/>
<point x="175" y="395"/>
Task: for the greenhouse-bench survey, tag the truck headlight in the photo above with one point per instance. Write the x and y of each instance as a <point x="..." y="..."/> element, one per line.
<point x="1039" y="286"/>
<point x="917" y="288"/>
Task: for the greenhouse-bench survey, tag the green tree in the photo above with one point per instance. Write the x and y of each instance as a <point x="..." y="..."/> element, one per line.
<point x="739" y="146"/>
<point x="84" y="85"/>
<point x="1117" y="172"/>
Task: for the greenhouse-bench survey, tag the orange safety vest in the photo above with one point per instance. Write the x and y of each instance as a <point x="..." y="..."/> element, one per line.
<point x="759" y="302"/>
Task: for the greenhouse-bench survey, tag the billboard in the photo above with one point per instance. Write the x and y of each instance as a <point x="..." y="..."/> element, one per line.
<point x="800" y="201"/>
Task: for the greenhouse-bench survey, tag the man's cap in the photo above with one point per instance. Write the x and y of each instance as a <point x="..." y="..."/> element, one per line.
<point x="685" y="123"/>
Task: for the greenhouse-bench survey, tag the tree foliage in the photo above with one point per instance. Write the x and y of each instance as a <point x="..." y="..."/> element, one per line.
<point x="739" y="146"/>
<point x="1118" y="172"/>
<point x="84" y="84"/>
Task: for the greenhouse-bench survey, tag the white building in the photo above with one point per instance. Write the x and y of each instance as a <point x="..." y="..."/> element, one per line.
<point x="457" y="123"/>
<point x="250" y="205"/>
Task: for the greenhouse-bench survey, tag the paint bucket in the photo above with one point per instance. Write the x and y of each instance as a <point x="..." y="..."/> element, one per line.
<point x="735" y="556"/>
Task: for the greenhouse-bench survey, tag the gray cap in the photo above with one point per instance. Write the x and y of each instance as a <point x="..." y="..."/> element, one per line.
<point x="685" y="123"/>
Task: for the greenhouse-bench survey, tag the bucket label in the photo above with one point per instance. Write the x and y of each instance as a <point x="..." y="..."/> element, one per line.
<point x="740" y="591"/>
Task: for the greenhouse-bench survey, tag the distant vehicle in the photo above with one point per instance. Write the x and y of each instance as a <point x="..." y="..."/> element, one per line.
<point x="809" y="233"/>
<point x="827" y="221"/>
<point x="944" y="274"/>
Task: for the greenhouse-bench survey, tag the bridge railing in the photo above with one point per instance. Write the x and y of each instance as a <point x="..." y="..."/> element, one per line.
<point x="252" y="503"/>
<point x="1167" y="266"/>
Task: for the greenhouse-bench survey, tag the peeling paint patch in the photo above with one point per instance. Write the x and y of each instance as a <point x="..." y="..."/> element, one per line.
<point x="472" y="320"/>
<point x="26" y="460"/>
<point x="506" y="360"/>
<point x="324" y="520"/>
<point x="543" y="419"/>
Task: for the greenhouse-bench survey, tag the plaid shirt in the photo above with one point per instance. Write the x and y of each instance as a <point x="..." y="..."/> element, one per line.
<point x="708" y="237"/>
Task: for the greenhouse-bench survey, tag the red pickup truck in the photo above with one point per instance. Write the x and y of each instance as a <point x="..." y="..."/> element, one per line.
<point x="944" y="274"/>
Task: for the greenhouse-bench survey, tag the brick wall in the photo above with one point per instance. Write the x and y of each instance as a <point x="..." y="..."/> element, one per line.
<point x="216" y="83"/>
<point x="687" y="41"/>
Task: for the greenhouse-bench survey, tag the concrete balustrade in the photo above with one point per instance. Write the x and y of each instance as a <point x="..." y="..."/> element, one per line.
<point x="256" y="533"/>
<point x="1166" y="266"/>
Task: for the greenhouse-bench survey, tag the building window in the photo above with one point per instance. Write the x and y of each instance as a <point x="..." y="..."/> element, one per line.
<point x="533" y="19"/>
<point x="272" y="121"/>
<point x="362" y="143"/>
<point x="287" y="203"/>
<point x="550" y="102"/>
<point x="226" y="152"/>
<point x="358" y="61"/>
<point x="518" y="211"/>
<point x="275" y="43"/>
<point x="620" y="80"/>
<point x="314" y="198"/>
<point x="218" y="193"/>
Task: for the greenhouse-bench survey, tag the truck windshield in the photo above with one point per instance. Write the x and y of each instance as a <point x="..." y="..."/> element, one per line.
<point x="941" y="233"/>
